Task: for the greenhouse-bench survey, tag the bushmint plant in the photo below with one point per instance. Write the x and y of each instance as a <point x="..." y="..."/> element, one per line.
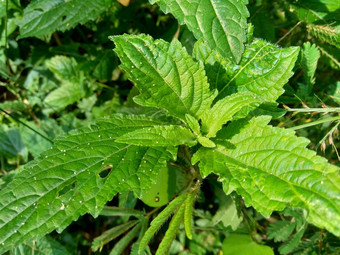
<point x="205" y="113"/>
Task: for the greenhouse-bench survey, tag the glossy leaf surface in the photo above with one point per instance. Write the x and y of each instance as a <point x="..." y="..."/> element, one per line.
<point x="222" y="24"/>
<point x="165" y="74"/>
<point x="272" y="169"/>
<point x="82" y="171"/>
<point x="159" y="136"/>
<point x="42" y="17"/>
<point x="263" y="70"/>
<point x="224" y="110"/>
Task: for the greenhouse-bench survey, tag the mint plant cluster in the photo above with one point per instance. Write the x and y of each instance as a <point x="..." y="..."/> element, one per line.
<point x="197" y="114"/>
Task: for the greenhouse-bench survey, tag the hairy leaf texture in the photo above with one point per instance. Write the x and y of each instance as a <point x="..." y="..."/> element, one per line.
<point x="224" y="110"/>
<point x="263" y="70"/>
<point x="171" y="135"/>
<point x="322" y="18"/>
<point x="271" y="168"/>
<point x="326" y="33"/>
<point x="222" y="24"/>
<point x="124" y="242"/>
<point x="160" y="219"/>
<point x="82" y="171"/>
<point x="42" y="17"/>
<point x="43" y="246"/>
<point x="170" y="234"/>
<point x="111" y="234"/>
<point x="189" y="204"/>
<point x="165" y="74"/>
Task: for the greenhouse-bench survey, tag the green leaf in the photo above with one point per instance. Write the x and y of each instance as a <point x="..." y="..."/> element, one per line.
<point x="320" y="5"/>
<point x="7" y="178"/>
<point x="12" y="5"/>
<point x="281" y="230"/>
<point x="335" y="93"/>
<point x="165" y="75"/>
<point x="224" y="110"/>
<point x="64" y="68"/>
<point x="13" y="106"/>
<point x="82" y="171"/>
<point x="317" y="10"/>
<point x="309" y="61"/>
<point x="193" y="124"/>
<point x="4" y="72"/>
<point x="134" y="250"/>
<point x="227" y="214"/>
<point x="294" y="241"/>
<point x="11" y="144"/>
<point x="34" y="142"/>
<point x="271" y="168"/>
<point x="263" y="23"/>
<point x="161" y="192"/>
<point x="322" y="18"/>
<point x="270" y="109"/>
<point x="106" y="62"/>
<point x="111" y="234"/>
<point x="310" y="245"/>
<point x="159" y="136"/>
<point x="117" y="211"/>
<point x="72" y="83"/>
<point x="42" y="17"/>
<point x="206" y="142"/>
<point x="123" y="243"/>
<point x="263" y="70"/>
<point x="63" y="96"/>
<point x="244" y="245"/>
<point x="186" y="38"/>
<point x="222" y="24"/>
<point x="46" y="245"/>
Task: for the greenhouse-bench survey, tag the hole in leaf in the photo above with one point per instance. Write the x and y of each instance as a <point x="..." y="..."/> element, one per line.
<point x="105" y="171"/>
<point x="67" y="188"/>
<point x="63" y="18"/>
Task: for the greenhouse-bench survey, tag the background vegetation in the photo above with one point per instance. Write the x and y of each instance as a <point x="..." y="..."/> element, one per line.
<point x="58" y="73"/>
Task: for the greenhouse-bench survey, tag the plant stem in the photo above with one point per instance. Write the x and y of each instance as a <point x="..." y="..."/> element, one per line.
<point x="152" y="212"/>
<point x="314" y="123"/>
<point x="35" y="131"/>
<point x="57" y="39"/>
<point x="335" y="109"/>
<point x="249" y="220"/>
<point x="328" y="133"/>
<point x="335" y="61"/>
<point x="6" y="21"/>
<point x="286" y="34"/>
<point x="2" y="162"/>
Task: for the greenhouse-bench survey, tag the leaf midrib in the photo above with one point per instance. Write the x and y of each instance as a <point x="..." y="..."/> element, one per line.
<point x="292" y="185"/>
<point x="150" y="64"/>
<point x="43" y="13"/>
<point x="242" y="68"/>
<point x="55" y="188"/>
